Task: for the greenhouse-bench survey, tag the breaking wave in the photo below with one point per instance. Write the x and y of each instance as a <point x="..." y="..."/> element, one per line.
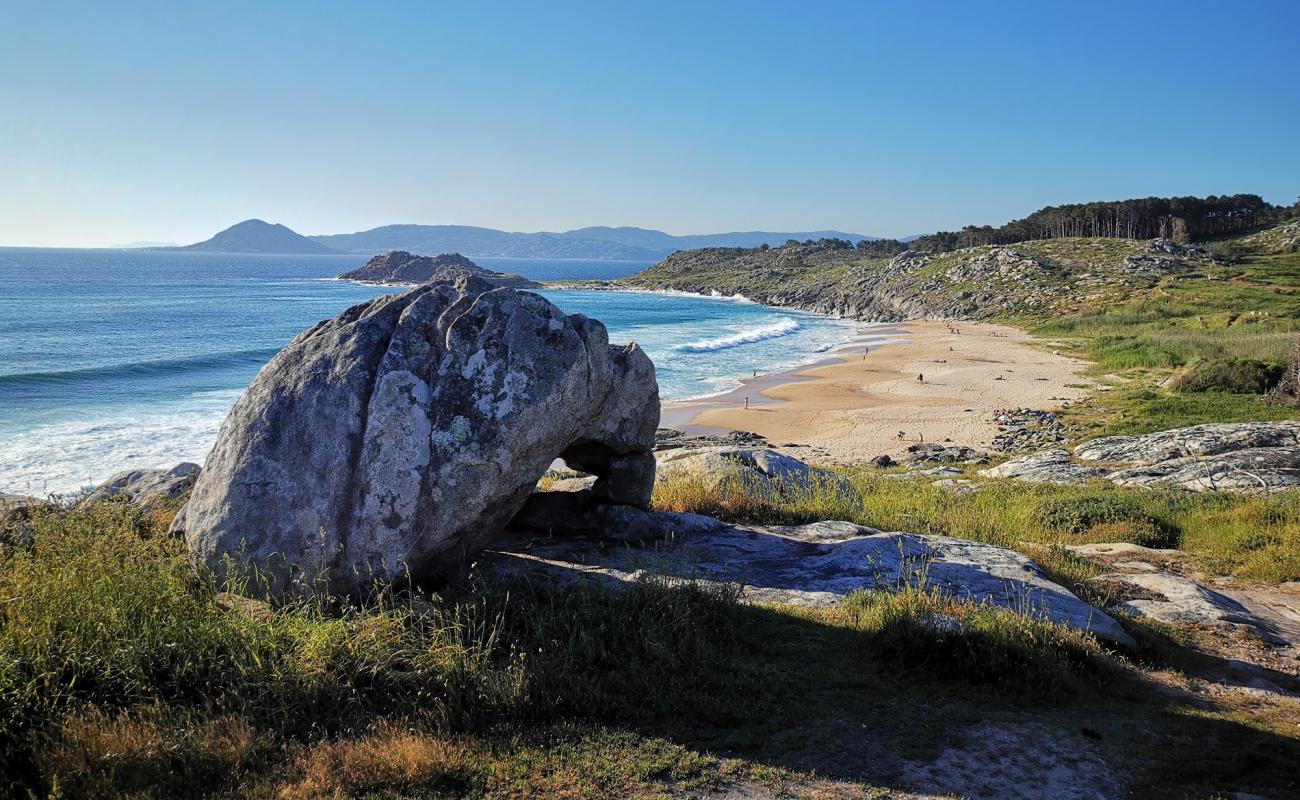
<point x="783" y="327"/>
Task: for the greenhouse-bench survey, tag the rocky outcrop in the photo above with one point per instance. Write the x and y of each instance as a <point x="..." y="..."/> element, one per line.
<point x="1164" y="585"/>
<point x="940" y="453"/>
<point x="1175" y="599"/>
<point x="15" y="517"/>
<point x="1281" y="239"/>
<point x="816" y="564"/>
<point x="152" y="490"/>
<point x="831" y="277"/>
<point x="1046" y="466"/>
<point x="1242" y="456"/>
<point x="401" y="267"/>
<point x="1021" y="429"/>
<point x="760" y="469"/>
<point x="393" y="441"/>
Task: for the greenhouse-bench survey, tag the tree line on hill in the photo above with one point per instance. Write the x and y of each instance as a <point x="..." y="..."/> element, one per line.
<point x="1177" y="218"/>
<point x="1182" y="219"/>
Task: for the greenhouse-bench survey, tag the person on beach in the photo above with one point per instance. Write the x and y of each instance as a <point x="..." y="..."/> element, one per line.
<point x="920" y="378"/>
<point x="746" y="403"/>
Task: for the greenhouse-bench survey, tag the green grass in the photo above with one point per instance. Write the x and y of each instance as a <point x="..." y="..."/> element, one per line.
<point x="1253" y="537"/>
<point x="122" y="674"/>
<point x="1176" y="353"/>
<point x="120" y="670"/>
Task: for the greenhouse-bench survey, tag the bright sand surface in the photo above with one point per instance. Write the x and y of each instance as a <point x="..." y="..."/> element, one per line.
<point x="851" y="408"/>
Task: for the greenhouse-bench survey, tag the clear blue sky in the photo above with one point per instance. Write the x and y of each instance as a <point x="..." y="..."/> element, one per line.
<point x="125" y="121"/>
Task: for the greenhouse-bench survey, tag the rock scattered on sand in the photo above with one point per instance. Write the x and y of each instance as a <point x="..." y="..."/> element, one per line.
<point x="150" y="489"/>
<point x="816" y="564"/>
<point x="937" y="453"/>
<point x="1021" y="429"/>
<point x="1242" y="457"/>
<point x="395" y="440"/>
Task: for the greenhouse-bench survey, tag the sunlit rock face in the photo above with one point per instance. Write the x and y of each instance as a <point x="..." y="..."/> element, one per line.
<point x="394" y="441"/>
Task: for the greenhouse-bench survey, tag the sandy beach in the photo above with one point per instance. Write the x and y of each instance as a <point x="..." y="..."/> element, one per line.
<point x="852" y="407"/>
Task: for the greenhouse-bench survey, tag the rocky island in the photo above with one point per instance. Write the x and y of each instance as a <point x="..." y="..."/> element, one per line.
<point x="400" y="267"/>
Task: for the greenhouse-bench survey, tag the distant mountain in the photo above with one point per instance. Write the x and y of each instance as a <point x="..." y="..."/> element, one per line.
<point x="630" y="244"/>
<point x="595" y="242"/>
<point x="256" y="236"/>
<point x="480" y="242"/>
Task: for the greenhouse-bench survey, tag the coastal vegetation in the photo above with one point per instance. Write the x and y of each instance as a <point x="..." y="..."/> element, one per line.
<point x="1180" y="218"/>
<point x="126" y="675"/>
<point x="1178" y="335"/>
<point x="125" y="671"/>
<point x="1253" y="537"/>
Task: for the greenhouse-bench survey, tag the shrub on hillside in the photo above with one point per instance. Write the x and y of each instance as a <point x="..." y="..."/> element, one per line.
<point x="1234" y="375"/>
<point x="1113" y="517"/>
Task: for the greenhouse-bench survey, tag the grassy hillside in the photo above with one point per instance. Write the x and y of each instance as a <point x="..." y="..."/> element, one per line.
<point x="124" y="675"/>
<point x="1179" y="335"/>
<point x="1189" y="349"/>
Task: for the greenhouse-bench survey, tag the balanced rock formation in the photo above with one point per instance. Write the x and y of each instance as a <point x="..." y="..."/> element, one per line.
<point x="393" y="441"/>
<point x="150" y="489"/>
<point x="1228" y="456"/>
<point x="402" y="267"/>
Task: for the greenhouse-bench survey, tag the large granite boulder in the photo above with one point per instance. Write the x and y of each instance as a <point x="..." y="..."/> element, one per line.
<point x="150" y="489"/>
<point x="1238" y="456"/>
<point x="393" y="441"/>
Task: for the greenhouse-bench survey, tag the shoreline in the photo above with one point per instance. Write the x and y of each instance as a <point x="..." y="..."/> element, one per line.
<point x="848" y="408"/>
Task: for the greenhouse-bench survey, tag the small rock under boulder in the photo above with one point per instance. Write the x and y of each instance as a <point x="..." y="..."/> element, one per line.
<point x="392" y="442"/>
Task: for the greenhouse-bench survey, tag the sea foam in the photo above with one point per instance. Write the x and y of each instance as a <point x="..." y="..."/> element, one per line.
<point x="775" y="330"/>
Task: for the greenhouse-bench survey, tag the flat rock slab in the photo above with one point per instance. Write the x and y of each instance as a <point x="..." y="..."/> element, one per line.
<point x="813" y="565"/>
<point x="1238" y="457"/>
<point x="1046" y="466"/>
<point x="1177" y="600"/>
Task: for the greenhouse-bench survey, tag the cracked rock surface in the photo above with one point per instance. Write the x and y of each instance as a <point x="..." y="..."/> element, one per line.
<point x="396" y="439"/>
<point x="820" y="563"/>
<point x="1241" y="456"/>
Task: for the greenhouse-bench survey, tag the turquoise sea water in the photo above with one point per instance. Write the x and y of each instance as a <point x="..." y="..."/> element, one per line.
<point x="112" y="360"/>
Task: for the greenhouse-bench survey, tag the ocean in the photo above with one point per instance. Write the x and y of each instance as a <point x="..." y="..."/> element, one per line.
<point x="111" y="360"/>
